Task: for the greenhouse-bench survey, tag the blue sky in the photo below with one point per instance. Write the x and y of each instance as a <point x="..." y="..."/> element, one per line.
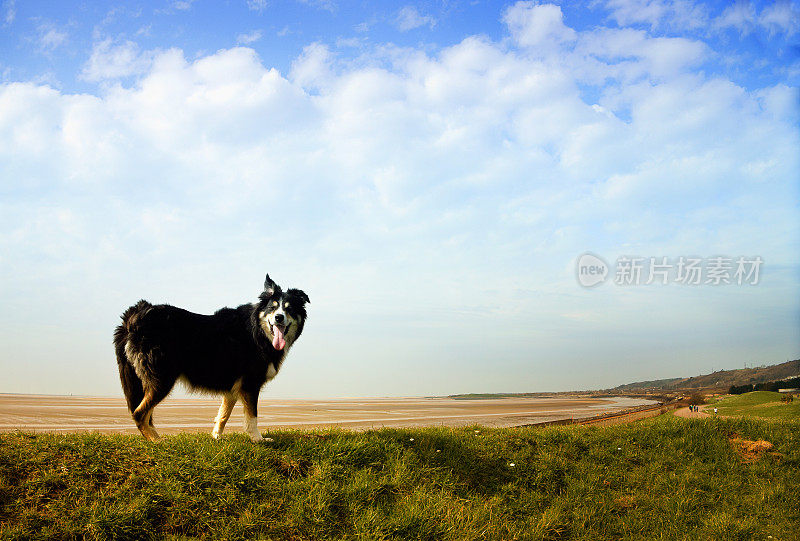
<point x="429" y="173"/>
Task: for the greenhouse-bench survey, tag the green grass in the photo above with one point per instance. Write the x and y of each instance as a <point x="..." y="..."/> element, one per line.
<point x="761" y="404"/>
<point x="666" y="478"/>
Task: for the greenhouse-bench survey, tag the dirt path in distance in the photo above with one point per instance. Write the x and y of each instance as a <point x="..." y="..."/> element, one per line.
<point x="684" y="412"/>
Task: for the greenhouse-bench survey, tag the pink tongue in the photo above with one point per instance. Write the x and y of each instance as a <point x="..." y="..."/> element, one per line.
<point x="278" y="342"/>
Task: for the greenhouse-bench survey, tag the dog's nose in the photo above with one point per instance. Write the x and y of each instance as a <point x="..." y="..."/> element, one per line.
<point x="278" y="318"/>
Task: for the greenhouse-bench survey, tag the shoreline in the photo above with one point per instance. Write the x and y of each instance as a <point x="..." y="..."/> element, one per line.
<point x="39" y="413"/>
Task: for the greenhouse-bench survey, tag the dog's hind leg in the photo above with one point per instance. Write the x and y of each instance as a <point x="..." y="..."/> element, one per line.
<point x="224" y="413"/>
<point x="143" y="415"/>
<point x="250" y="400"/>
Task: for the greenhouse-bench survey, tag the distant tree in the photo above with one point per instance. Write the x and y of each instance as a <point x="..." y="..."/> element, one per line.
<point x="791" y="383"/>
<point x="774" y="386"/>
<point x="740" y="389"/>
<point x="767" y="386"/>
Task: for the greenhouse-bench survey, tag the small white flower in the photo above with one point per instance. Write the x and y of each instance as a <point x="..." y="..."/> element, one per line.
<point x="411" y="439"/>
<point x="511" y="464"/>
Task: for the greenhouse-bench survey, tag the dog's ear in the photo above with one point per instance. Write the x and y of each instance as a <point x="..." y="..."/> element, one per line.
<point x="269" y="286"/>
<point x="300" y="294"/>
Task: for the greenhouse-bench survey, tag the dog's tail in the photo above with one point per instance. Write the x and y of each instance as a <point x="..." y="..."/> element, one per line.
<point x="131" y="382"/>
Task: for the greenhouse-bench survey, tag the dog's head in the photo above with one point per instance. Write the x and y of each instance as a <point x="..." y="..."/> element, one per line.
<point x="281" y="314"/>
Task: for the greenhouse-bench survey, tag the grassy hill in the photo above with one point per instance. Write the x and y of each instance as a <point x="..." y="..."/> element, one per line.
<point x="721" y="379"/>
<point x="763" y="404"/>
<point x="663" y="478"/>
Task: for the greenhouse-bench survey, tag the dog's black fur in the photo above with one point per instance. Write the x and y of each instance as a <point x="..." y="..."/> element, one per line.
<point x="232" y="352"/>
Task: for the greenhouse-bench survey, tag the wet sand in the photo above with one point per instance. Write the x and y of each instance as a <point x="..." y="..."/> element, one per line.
<point x="39" y="413"/>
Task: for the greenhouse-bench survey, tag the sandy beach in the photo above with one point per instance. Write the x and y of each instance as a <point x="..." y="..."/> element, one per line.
<point x="39" y="413"/>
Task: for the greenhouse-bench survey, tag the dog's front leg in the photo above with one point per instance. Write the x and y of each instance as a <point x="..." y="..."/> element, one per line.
<point x="251" y="417"/>
<point x="224" y="413"/>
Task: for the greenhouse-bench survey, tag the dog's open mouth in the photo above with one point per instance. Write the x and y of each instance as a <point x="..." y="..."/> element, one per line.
<point x="279" y="336"/>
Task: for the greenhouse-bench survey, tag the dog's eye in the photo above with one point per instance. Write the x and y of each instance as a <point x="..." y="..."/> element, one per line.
<point x="286" y="305"/>
<point x="274" y="304"/>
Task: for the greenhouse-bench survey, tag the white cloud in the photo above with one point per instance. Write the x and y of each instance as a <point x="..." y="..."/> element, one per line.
<point x="778" y="17"/>
<point x="672" y="14"/>
<point x="421" y="133"/>
<point x="327" y="5"/>
<point x="257" y="5"/>
<point x="311" y="70"/>
<point x="409" y="18"/>
<point x="537" y="26"/>
<point x="739" y="15"/>
<point x="183" y="5"/>
<point x="251" y="37"/>
<point x="50" y="37"/>
<point x="10" y="9"/>
<point x="110" y="60"/>
<point x="414" y="136"/>
<point x="627" y="54"/>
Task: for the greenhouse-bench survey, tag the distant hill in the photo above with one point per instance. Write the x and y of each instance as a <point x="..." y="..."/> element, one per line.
<point x="719" y="379"/>
<point x="654" y="384"/>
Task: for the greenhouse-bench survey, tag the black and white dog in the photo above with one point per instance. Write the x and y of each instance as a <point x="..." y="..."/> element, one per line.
<point x="233" y="352"/>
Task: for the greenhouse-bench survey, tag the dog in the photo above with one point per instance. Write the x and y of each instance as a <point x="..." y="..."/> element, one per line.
<point x="233" y="352"/>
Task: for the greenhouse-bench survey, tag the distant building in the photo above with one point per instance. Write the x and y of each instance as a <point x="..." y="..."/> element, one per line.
<point x="789" y="390"/>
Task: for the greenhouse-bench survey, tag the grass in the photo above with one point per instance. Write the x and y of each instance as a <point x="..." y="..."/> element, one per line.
<point x="665" y="478"/>
<point x="761" y="404"/>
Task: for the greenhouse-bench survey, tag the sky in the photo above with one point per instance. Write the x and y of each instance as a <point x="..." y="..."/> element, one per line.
<point x="444" y="179"/>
